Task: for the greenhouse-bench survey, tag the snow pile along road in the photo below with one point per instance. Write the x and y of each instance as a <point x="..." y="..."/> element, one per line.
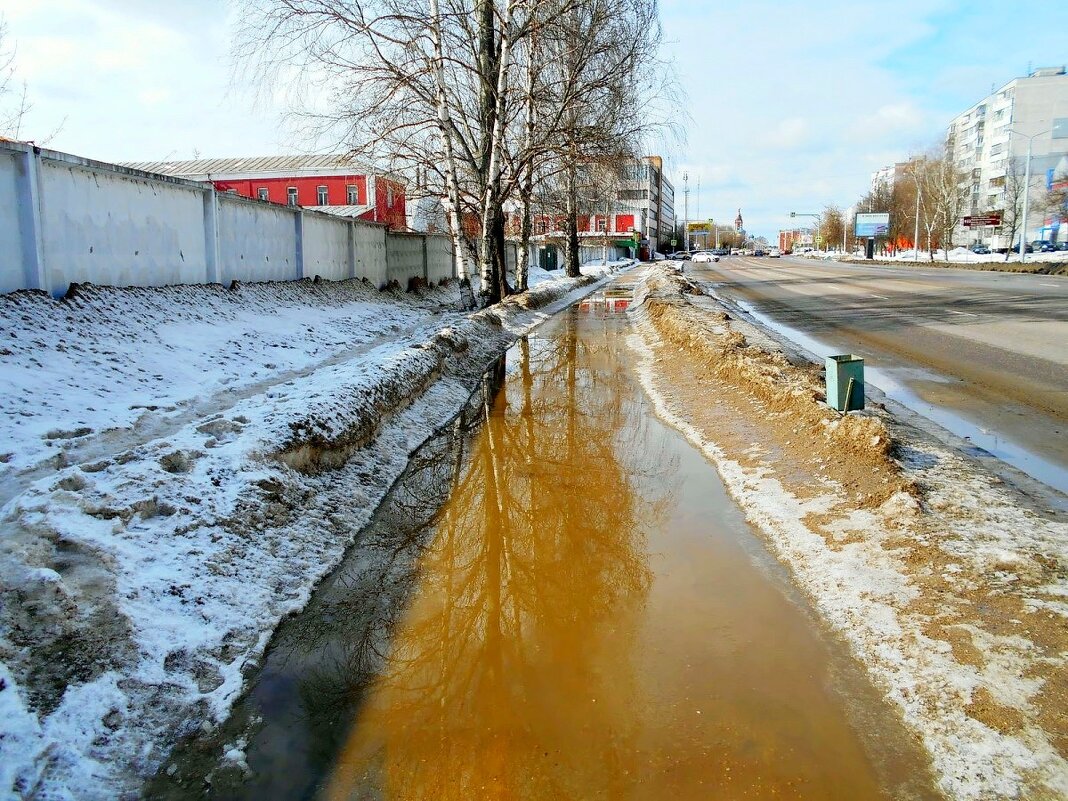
<point x="181" y="466"/>
<point x="949" y="587"/>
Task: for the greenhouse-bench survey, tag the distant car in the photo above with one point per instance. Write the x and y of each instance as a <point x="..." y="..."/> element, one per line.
<point x="721" y="252"/>
<point x="1059" y="246"/>
<point x="980" y="250"/>
<point x="704" y="257"/>
<point x="774" y="253"/>
<point x="759" y="252"/>
<point x="681" y="255"/>
<point x="1016" y="248"/>
<point x="1042" y="246"/>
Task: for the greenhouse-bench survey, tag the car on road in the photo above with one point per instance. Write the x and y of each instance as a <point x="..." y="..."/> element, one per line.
<point x="774" y="253"/>
<point x="721" y="252"/>
<point x="980" y="250"/>
<point x="704" y="257"/>
<point x="759" y="252"/>
<point x="681" y="255"/>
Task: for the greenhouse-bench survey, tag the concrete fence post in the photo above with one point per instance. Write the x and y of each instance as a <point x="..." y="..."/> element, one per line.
<point x="28" y="205"/>
<point x="211" y="235"/>
<point x="426" y="260"/>
<point x="352" y="250"/>
<point x="298" y="227"/>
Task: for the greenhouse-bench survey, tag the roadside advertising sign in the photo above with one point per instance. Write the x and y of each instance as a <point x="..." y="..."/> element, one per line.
<point x="877" y="224"/>
<point x="983" y="220"/>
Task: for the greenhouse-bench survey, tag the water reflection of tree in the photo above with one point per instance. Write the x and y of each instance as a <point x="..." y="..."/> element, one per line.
<point x="510" y="676"/>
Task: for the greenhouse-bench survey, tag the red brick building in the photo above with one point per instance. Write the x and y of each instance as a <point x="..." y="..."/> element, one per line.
<point x="331" y="183"/>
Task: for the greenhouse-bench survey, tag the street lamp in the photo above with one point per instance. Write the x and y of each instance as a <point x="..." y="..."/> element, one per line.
<point x="1027" y="190"/>
<point x="807" y="214"/>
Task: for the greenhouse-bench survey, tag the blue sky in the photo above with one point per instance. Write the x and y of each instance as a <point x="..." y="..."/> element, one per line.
<point x="791" y="105"/>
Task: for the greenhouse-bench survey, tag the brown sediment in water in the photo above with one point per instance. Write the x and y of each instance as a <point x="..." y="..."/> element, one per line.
<point x="588" y="623"/>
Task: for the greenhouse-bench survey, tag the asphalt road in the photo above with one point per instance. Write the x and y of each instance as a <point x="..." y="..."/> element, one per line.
<point x="983" y="353"/>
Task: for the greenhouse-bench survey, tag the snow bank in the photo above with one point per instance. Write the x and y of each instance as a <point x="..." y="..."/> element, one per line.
<point x="221" y="450"/>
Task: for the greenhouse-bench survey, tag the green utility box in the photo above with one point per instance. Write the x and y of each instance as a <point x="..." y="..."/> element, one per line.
<point x="845" y="382"/>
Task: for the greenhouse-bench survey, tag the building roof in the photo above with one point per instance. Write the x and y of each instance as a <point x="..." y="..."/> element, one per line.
<point x="282" y="166"/>
<point x="343" y="211"/>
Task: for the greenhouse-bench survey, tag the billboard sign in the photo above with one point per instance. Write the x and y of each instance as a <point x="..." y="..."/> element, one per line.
<point x="871" y="224"/>
<point x="983" y="220"/>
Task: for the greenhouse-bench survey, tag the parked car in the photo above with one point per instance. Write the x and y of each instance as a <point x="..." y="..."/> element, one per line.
<point x="681" y="255"/>
<point x="759" y="252"/>
<point x="704" y="257"/>
<point x="1042" y="246"/>
<point x="1016" y="248"/>
<point x="1059" y="246"/>
<point x="774" y="253"/>
<point x="980" y="250"/>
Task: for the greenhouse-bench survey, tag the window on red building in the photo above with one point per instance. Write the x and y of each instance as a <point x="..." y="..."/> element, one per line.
<point x="602" y="225"/>
<point x="261" y="193"/>
<point x="321" y="196"/>
<point x="352" y="195"/>
<point x="291" y="195"/>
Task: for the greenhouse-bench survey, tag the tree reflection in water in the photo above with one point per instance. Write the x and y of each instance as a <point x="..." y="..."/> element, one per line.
<point x="511" y="674"/>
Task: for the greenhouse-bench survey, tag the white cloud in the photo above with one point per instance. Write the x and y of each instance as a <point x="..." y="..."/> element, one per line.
<point x="792" y="133"/>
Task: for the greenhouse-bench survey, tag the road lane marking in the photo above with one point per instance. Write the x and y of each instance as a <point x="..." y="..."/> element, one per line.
<point x="881" y="297"/>
<point x="966" y="314"/>
<point x="1052" y="285"/>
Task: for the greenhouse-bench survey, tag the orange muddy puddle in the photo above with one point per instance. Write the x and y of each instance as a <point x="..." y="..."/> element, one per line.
<point x="594" y="620"/>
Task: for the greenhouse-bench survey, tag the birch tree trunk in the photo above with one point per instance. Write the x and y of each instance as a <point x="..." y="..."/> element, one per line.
<point x="444" y="124"/>
<point x="491" y="259"/>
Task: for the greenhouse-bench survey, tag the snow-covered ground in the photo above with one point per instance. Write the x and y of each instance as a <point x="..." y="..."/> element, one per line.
<point x="956" y="256"/>
<point x="179" y="467"/>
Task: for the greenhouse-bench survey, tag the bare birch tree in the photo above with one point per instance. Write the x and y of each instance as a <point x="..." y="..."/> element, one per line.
<point x="1011" y="201"/>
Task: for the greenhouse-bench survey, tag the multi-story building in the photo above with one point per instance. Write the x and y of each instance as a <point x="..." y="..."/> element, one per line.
<point x="990" y="140"/>
<point x="332" y="183"/>
<point x="888" y="176"/>
<point x="652" y="196"/>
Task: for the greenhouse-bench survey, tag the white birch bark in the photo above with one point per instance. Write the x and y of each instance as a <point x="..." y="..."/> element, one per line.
<point x="452" y="197"/>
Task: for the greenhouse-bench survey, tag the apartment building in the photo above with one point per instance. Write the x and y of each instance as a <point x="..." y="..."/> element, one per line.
<point x="652" y="196"/>
<point x="990" y="139"/>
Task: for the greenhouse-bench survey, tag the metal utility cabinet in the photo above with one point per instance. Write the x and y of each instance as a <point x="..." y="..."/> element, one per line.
<point x="845" y="382"/>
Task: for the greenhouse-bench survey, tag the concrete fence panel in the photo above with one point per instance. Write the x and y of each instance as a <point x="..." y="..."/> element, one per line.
<point x="440" y="262"/>
<point x="369" y="246"/>
<point x="12" y="274"/>
<point x="405" y="257"/>
<point x="326" y="247"/>
<point x="118" y="229"/>
<point x="257" y="241"/>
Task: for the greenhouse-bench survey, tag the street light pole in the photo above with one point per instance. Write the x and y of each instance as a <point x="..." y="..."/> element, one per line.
<point x="686" y="211"/>
<point x="916" y="228"/>
<point x="1027" y="196"/>
<point x="1027" y="190"/>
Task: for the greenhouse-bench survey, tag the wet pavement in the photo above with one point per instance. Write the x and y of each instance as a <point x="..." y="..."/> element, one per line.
<point x="559" y="601"/>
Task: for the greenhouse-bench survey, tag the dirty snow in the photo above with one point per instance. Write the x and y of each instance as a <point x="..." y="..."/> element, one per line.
<point x="154" y="530"/>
